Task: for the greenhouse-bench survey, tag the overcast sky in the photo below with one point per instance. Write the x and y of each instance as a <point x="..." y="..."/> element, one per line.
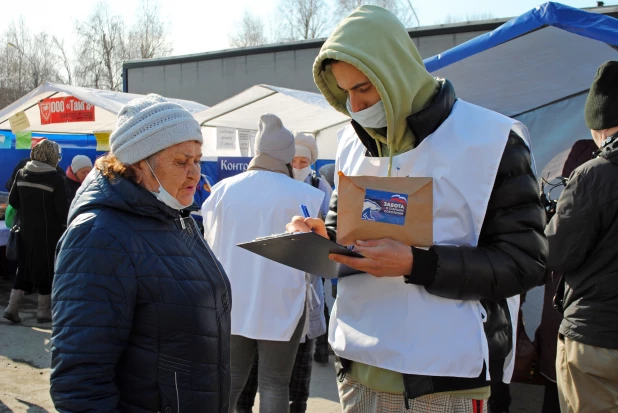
<point x="197" y="26"/>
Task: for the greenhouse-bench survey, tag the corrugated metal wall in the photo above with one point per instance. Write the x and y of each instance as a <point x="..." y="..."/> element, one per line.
<point x="214" y="80"/>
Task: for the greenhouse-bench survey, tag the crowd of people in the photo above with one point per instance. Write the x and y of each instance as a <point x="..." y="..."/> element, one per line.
<point x="155" y="308"/>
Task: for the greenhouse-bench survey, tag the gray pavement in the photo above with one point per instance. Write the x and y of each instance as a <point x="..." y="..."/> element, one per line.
<point x="25" y="360"/>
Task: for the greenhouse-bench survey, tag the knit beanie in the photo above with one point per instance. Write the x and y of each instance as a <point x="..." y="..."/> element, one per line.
<point x="306" y="146"/>
<point x="47" y="152"/>
<point x="274" y="140"/>
<point x="602" y="104"/>
<point x="79" y="162"/>
<point x="150" y="124"/>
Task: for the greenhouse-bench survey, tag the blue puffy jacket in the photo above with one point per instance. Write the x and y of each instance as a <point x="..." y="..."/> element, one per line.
<point x="141" y="308"/>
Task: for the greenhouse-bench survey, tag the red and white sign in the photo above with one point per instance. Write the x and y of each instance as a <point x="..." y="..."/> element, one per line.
<point x="68" y="109"/>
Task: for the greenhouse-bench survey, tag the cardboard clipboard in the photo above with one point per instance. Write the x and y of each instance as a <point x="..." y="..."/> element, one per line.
<point x="306" y="251"/>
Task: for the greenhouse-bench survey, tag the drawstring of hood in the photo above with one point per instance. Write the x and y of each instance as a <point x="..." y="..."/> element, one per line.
<point x="375" y="42"/>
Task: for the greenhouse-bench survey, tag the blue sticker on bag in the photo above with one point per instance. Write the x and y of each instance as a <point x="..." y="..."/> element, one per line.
<point x="385" y="207"/>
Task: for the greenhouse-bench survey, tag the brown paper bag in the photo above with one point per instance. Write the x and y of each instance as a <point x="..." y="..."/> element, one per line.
<point x="370" y="207"/>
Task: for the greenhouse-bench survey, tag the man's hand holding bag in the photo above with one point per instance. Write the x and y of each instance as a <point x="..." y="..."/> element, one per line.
<point x="382" y="218"/>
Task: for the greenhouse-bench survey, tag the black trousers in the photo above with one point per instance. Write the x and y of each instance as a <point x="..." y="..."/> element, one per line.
<point x="21" y="283"/>
<point x="500" y="399"/>
<point x="551" y="403"/>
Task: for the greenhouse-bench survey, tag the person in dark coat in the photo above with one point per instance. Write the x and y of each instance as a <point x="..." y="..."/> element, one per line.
<point x="545" y="338"/>
<point x="141" y="307"/>
<point x="583" y="239"/>
<point x="80" y="167"/>
<point x="9" y="184"/>
<point x="39" y="196"/>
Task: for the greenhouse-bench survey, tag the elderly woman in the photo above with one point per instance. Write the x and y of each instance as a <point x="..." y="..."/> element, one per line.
<point x="141" y="307"/>
<point x="80" y="167"/>
<point x="39" y="196"/>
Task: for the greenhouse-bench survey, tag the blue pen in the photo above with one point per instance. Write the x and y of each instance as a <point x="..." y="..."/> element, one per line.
<point x="305" y="212"/>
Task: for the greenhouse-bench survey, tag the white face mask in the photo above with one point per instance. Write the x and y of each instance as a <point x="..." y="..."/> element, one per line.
<point x="302" y="174"/>
<point x="373" y="117"/>
<point x="165" y="196"/>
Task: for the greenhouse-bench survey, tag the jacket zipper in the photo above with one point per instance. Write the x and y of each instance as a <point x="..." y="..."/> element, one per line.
<point x="218" y="316"/>
<point x="177" y="395"/>
<point x="406" y="399"/>
<point x="214" y="260"/>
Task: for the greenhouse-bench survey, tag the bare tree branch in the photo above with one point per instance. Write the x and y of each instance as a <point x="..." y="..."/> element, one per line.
<point x="468" y="17"/>
<point x="250" y="32"/>
<point x="303" y="19"/>
<point x="101" y="49"/>
<point x="148" y="36"/>
<point x="403" y="10"/>
<point x="65" y="59"/>
<point x="26" y="60"/>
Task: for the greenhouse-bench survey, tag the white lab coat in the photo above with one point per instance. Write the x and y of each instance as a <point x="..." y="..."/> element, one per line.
<point x="268" y="298"/>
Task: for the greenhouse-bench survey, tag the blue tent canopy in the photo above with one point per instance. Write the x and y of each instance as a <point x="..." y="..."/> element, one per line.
<point x="537" y="68"/>
<point x="594" y="26"/>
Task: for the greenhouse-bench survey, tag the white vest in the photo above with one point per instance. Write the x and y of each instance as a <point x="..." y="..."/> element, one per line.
<point x="400" y="327"/>
<point x="268" y="298"/>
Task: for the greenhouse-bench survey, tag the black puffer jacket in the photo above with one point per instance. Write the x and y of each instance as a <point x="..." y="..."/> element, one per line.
<point x="583" y="236"/>
<point x="509" y="259"/>
<point x="141" y="308"/>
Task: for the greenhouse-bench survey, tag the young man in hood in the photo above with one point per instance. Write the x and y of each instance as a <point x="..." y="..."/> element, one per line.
<point x="426" y="329"/>
<point x="582" y="245"/>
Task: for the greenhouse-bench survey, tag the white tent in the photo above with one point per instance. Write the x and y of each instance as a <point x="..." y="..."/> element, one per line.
<point x="299" y="111"/>
<point x="107" y="105"/>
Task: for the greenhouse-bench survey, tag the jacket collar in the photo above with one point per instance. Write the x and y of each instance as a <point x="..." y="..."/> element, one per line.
<point x="119" y="193"/>
<point x="71" y="175"/>
<point x="422" y="123"/>
<point x="39" y="167"/>
<point x="609" y="150"/>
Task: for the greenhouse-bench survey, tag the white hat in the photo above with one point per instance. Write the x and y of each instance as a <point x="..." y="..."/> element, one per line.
<point x="306" y="146"/>
<point x="150" y="124"/>
<point x="79" y="162"/>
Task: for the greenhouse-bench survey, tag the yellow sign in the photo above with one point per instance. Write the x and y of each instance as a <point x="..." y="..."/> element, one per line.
<point x="102" y="138"/>
<point x="19" y="122"/>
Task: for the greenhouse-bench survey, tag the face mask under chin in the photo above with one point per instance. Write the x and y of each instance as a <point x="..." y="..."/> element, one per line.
<point x="165" y="196"/>
<point x="373" y="117"/>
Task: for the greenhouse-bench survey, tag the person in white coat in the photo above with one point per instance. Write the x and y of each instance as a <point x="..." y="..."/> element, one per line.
<point x="268" y="316"/>
<point x="315" y="337"/>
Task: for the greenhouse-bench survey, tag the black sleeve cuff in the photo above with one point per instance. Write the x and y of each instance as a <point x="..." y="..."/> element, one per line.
<point x="424" y="267"/>
<point x="332" y="234"/>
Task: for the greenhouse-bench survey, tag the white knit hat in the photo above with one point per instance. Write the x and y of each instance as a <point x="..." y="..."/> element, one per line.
<point x="79" y="162"/>
<point x="306" y="146"/>
<point x="150" y="124"/>
<point x="274" y="140"/>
